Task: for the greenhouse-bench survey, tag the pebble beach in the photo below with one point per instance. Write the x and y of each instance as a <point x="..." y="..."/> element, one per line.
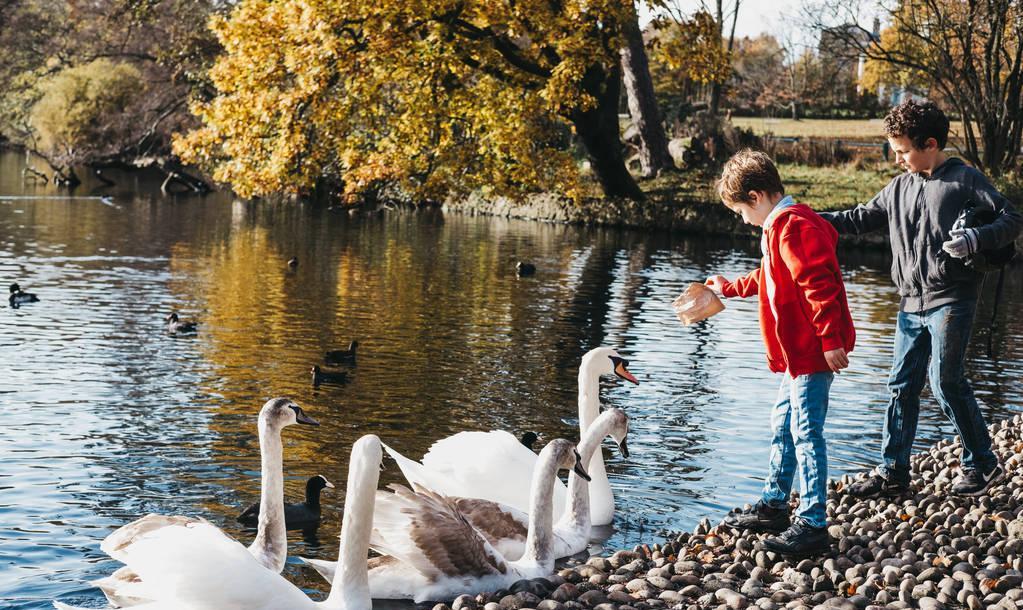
<point x="928" y="550"/>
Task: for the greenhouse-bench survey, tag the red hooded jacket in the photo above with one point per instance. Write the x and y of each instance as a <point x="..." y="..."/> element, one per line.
<point x="809" y="296"/>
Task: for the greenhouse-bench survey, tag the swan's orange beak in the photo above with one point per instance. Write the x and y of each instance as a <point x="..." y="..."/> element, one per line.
<point x="624" y="373"/>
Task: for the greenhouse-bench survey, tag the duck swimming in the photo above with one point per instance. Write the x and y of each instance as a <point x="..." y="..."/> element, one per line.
<point x="342" y="356"/>
<point x="297" y="515"/>
<point x="524" y="269"/>
<point x="19" y="297"/>
<point x="174" y="325"/>
<point x="321" y="376"/>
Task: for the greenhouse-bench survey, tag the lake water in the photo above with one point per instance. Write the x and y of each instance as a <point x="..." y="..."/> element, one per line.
<point x="107" y="418"/>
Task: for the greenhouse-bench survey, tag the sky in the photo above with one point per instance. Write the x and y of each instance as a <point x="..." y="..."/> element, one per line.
<point x="757" y="17"/>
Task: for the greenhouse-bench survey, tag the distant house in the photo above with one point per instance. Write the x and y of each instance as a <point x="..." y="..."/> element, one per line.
<point x="841" y="49"/>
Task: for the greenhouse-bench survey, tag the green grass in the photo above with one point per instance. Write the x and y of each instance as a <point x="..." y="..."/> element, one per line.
<point x="822" y="188"/>
<point x="830" y="188"/>
<point x="853" y="129"/>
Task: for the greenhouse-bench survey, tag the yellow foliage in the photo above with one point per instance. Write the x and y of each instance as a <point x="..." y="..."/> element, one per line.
<point x="693" y="49"/>
<point x="878" y="73"/>
<point x="79" y="106"/>
<point x="438" y="96"/>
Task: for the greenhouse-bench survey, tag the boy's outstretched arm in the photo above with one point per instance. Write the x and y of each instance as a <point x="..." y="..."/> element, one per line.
<point x="864" y="218"/>
<point x="745" y="286"/>
<point x="810" y="258"/>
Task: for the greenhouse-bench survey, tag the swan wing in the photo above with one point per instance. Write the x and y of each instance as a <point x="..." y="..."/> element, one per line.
<point x="124" y="588"/>
<point x="123" y="537"/>
<point x="415" y="473"/>
<point x="504" y="527"/>
<point x="323" y="567"/>
<point x="500" y="469"/>
<point x="196" y="565"/>
<point x="425" y="529"/>
<point x="146" y="606"/>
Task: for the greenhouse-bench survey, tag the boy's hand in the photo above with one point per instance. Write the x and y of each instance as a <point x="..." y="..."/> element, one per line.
<point x="962" y="242"/>
<point x="837" y="359"/>
<point x="716" y="283"/>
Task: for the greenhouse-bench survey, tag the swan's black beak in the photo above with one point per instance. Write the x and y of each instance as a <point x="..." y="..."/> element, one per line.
<point x="624" y="448"/>
<point x="302" y="418"/>
<point x="622" y="370"/>
<point x="579" y="470"/>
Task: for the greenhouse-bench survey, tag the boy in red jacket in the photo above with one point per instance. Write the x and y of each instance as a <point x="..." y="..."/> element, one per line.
<point x="808" y="332"/>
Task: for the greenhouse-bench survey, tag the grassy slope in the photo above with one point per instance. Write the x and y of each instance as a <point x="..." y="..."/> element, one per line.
<point x="869" y="130"/>
<point x="822" y="188"/>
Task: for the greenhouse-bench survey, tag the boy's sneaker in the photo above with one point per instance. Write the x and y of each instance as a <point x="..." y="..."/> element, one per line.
<point x="877" y="485"/>
<point x="801" y="539"/>
<point x="759" y="518"/>
<point x="974" y="483"/>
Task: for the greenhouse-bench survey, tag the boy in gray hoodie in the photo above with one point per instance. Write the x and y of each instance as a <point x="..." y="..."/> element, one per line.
<point x="939" y="292"/>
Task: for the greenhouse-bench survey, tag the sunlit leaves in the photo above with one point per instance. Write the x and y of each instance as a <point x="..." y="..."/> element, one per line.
<point x="80" y="106"/>
<point x="693" y="49"/>
<point x="437" y="96"/>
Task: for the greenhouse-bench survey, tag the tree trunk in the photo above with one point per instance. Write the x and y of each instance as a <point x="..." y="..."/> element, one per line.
<point x="598" y="129"/>
<point x="639" y="87"/>
<point x="715" y="98"/>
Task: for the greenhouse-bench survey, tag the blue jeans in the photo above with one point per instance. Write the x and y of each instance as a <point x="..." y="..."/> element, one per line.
<point x="797" y="422"/>
<point x="938" y="335"/>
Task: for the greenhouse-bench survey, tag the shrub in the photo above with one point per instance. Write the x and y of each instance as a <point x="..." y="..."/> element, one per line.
<point x="80" y="110"/>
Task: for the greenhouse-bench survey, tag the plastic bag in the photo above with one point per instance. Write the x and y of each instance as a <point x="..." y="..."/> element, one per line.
<point x="697" y="302"/>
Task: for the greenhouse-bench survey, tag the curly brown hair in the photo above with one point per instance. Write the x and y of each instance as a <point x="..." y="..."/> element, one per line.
<point x="918" y="122"/>
<point x="748" y="170"/>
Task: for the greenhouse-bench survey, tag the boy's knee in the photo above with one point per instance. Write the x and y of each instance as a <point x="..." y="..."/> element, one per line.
<point x="946" y="388"/>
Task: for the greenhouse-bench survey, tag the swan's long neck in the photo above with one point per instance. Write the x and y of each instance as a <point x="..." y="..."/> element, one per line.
<point x="541" y="511"/>
<point x="350" y="589"/>
<point x="270" y="547"/>
<point x="577" y="510"/>
<point x="601" y="498"/>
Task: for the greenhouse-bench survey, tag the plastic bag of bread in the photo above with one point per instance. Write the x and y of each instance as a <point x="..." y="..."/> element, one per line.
<point x="697" y="302"/>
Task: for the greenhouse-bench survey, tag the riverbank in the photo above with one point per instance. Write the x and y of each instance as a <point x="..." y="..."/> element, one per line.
<point x="675" y="213"/>
<point x="686" y="203"/>
<point x="929" y="551"/>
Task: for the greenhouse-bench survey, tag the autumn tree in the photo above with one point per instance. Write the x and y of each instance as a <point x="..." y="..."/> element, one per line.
<point x="688" y="57"/>
<point x="759" y="76"/>
<point x="878" y="74"/>
<point x="435" y="96"/>
<point x="971" y="53"/>
<point x="101" y="82"/>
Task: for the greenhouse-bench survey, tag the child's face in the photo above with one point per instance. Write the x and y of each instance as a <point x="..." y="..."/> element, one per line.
<point x="754" y="213"/>
<point x="914" y="159"/>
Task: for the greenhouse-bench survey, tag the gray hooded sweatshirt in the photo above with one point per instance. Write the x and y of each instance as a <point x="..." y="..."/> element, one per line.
<point x="919" y="212"/>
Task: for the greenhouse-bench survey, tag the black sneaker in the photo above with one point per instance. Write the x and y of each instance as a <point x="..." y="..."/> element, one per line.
<point x="801" y="539"/>
<point x="759" y="518"/>
<point x="878" y="485"/>
<point x="973" y="483"/>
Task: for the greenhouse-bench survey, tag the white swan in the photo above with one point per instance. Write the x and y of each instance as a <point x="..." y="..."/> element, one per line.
<point x="438" y="554"/>
<point x="501" y="467"/>
<point x="505" y="528"/>
<point x="270" y="548"/>
<point x="194" y="566"/>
